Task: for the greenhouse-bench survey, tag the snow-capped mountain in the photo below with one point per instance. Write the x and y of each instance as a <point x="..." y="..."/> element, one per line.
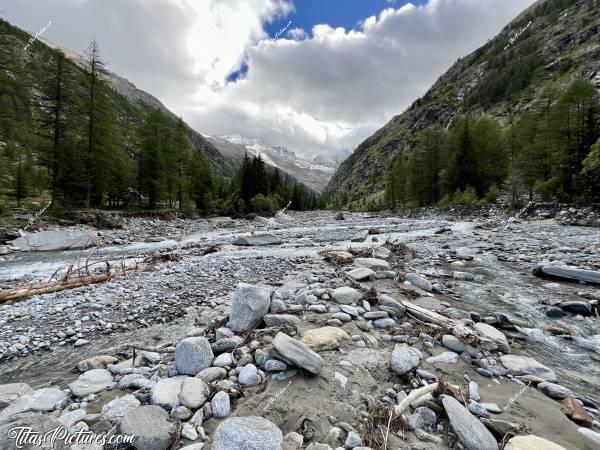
<point x="314" y="174"/>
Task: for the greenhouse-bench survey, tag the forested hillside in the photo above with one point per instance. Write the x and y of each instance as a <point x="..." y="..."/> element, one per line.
<point x="520" y="115"/>
<point x="74" y="135"/>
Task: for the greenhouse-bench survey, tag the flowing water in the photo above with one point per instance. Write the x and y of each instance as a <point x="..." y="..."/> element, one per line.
<point x="503" y="260"/>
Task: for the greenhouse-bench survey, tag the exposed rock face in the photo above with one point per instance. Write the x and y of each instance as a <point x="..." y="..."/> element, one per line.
<point x="250" y="304"/>
<point x="523" y="365"/>
<point x="192" y="355"/>
<point x="247" y="433"/>
<point x="150" y="424"/>
<point x="257" y="240"/>
<point x="405" y="359"/>
<point x="297" y="353"/>
<point x="91" y="382"/>
<point x="326" y="338"/>
<point x="472" y="434"/>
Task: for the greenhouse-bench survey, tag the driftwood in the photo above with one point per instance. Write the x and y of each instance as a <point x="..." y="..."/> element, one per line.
<point x="74" y="278"/>
<point x="414" y="395"/>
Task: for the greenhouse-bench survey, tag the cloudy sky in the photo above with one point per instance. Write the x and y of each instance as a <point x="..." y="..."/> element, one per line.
<point x="316" y="76"/>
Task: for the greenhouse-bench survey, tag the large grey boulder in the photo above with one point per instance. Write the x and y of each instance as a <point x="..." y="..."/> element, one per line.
<point x="496" y="337"/>
<point x="523" y="365"/>
<point x="247" y="433"/>
<point x="405" y="359"/>
<point x="255" y="240"/>
<point x="472" y="434"/>
<point x="297" y="353"/>
<point x="192" y="355"/>
<point x="166" y="392"/>
<point x="360" y="273"/>
<point x="39" y="423"/>
<point x="555" y="391"/>
<point x="394" y="307"/>
<point x="91" y="382"/>
<point x="151" y="427"/>
<point x="40" y="400"/>
<point x="56" y="240"/>
<point x="250" y="304"/>
<point x="346" y="295"/>
<point x="530" y="442"/>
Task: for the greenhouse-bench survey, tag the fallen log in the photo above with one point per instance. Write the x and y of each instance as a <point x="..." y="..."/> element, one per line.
<point x="47" y="288"/>
<point x="567" y="274"/>
<point x="414" y="395"/>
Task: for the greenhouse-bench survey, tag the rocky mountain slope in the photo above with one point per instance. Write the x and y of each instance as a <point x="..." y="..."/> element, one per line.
<point x="547" y="46"/>
<point x="313" y="174"/>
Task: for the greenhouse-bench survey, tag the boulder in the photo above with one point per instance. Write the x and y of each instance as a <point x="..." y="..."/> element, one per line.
<point x="590" y="434"/>
<point x="381" y="253"/>
<point x="91" y="382"/>
<point x="523" y="365"/>
<point x="372" y="263"/>
<point x="220" y="404"/>
<point x="247" y="433"/>
<point x="250" y="304"/>
<point x="418" y="281"/>
<point x="297" y="353"/>
<point x="119" y="407"/>
<point x="574" y="410"/>
<point x="56" y="240"/>
<point x="278" y="320"/>
<point x="194" y="393"/>
<point x="192" y="355"/>
<point x="11" y="392"/>
<point x="325" y="338"/>
<point x="40" y="400"/>
<point x="555" y="391"/>
<point x="166" y="392"/>
<point x="255" y="240"/>
<point x="360" y="273"/>
<point x="531" y="442"/>
<point x="496" y="336"/>
<point x="397" y="309"/>
<point x="472" y="434"/>
<point x="150" y="424"/>
<point x="405" y="359"/>
<point x="453" y="343"/>
<point x="564" y="273"/>
<point x="445" y="358"/>
<point x="249" y="375"/>
<point x="577" y="307"/>
<point x="41" y="425"/>
<point x="346" y="295"/>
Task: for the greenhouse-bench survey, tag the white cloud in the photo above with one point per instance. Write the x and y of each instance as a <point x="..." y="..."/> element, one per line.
<point x="318" y="92"/>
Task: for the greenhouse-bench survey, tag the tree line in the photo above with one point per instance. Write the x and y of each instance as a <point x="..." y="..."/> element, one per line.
<point x="551" y="152"/>
<point x="67" y="137"/>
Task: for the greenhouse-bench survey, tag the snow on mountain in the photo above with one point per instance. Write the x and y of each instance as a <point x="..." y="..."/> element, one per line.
<point x="315" y="174"/>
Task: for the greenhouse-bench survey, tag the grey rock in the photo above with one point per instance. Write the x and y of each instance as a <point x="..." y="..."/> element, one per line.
<point x="193" y="355"/>
<point x="360" y="273"/>
<point x="421" y="418"/>
<point x="211" y="374"/>
<point x="11" y="392"/>
<point x="374" y="315"/>
<point x="135" y="381"/>
<point x="247" y="433"/>
<point x="405" y="359"/>
<point x="494" y="335"/>
<point x="474" y="391"/>
<point x="150" y="424"/>
<point x="39" y="423"/>
<point x="96" y="362"/>
<point x="278" y="320"/>
<point x="249" y="375"/>
<point x="346" y="295"/>
<point x="555" y="391"/>
<point x="91" y="382"/>
<point x="350" y="310"/>
<point x="194" y="392"/>
<point x="297" y="353"/>
<point x="166" y="392"/>
<point x="277" y="306"/>
<point x="446" y="358"/>
<point x="353" y="440"/>
<point x="56" y="240"/>
<point x="453" y="343"/>
<point x="577" y="307"/>
<point x="256" y="240"/>
<point x="396" y="308"/>
<point x="418" y="281"/>
<point x="373" y="264"/>
<point x="472" y="434"/>
<point x="274" y="365"/>
<point x="249" y="306"/>
<point x="220" y="404"/>
<point x="226" y="344"/>
<point x="223" y="360"/>
<point x="523" y="365"/>
<point x="384" y="323"/>
<point x="119" y="407"/>
<point x="342" y="316"/>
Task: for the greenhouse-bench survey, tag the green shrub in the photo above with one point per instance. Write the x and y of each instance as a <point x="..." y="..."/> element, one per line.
<point x="263" y="205"/>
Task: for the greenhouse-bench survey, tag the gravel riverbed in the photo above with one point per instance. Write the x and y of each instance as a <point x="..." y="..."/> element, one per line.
<point x="284" y="346"/>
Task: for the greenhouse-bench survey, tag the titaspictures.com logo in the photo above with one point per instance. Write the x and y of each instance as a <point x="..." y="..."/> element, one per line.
<point x="27" y="436"/>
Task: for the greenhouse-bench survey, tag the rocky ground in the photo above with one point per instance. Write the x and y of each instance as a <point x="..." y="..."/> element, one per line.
<point x="372" y="332"/>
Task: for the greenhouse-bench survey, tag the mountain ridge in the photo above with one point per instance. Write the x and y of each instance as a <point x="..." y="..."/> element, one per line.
<point x="558" y="37"/>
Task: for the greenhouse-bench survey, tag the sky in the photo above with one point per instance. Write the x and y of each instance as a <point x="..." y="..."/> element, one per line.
<point x="316" y="76"/>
